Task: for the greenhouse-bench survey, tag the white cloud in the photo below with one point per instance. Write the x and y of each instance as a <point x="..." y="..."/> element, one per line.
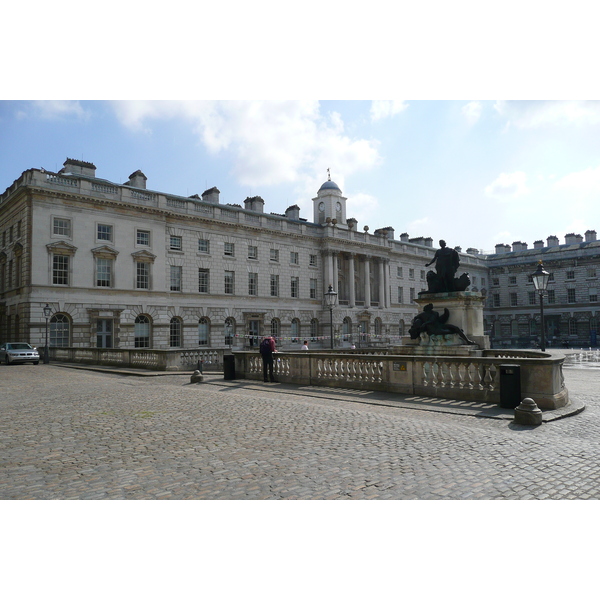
<point x="56" y="109"/>
<point x="270" y="142"/>
<point x="363" y="207"/>
<point x="525" y="114"/>
<point x="507" y="186"/>
<point x="382" y="109"/>
<point x="472" y="112"/>
<point x="581" y="183"/>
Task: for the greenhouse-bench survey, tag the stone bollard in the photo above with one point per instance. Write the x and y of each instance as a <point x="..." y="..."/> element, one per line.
<point x="197" y="377"/>
<point x="528" y="413"/>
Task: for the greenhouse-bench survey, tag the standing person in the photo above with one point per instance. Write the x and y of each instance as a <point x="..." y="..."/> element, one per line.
<point x="446" y="266"/>
<point x="267" y="347"/>
<point x="305" y="345"/>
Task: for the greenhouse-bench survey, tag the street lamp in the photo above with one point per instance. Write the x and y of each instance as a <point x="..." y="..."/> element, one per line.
<point x="47" y="313"/>
<point x="540" y="282"/>
<point x="330" y="301"/>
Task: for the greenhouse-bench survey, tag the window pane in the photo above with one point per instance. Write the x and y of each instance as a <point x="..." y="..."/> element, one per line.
<point x="60" y="270"/>
<point x="103" y="272"/>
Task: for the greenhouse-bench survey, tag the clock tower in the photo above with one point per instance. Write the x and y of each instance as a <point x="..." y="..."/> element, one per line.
<point x="329" y="203"/>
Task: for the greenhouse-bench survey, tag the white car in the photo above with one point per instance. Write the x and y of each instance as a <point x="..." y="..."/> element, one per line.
<point x="18" y="352"/>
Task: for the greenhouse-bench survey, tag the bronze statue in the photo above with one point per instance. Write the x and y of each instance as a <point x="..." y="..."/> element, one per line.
<point x="444" y="280"/>
<point x="430" y="322"/>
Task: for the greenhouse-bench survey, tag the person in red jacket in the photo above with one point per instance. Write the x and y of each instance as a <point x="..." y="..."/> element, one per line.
<point x="267" y="348"/>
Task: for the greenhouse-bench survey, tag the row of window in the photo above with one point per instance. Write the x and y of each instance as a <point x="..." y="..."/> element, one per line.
<point x="11" y="234"/>
<point x="591" y="273"/>
<point x="516" y="328"/>
<point x="550" y="295"/>
<point x="423" y="275"/>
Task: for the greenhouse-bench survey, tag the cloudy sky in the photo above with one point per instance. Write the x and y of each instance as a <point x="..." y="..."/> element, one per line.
<point x="476" y="173"/>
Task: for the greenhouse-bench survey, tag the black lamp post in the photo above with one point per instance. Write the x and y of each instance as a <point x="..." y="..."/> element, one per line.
<point x="540" y="282"/>
<point x="47" y="313"/>
<point x="330" y="301"/>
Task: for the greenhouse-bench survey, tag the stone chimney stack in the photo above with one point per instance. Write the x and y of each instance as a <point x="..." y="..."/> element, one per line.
<point x="404" y="237"/>
<point x="472" y="251"/>
<point x="256" y="203"/>
<point x="78" y="167"/>
<point x="502" y="248"/>
<point x="538" y="244"/>
<point x="590" y="235"/>
<point x="519" y="246"/>
<point x="573" y="238"/>
<point x="137" y="180"/>
<point x="552" y="241"/>
<point x="211" y="195"/>
<point x="293" y="212"/>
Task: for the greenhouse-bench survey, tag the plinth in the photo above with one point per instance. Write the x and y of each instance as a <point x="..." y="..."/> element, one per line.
<point x="466" y="312"/>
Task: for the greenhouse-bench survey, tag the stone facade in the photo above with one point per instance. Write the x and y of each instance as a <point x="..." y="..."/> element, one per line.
<point x="123" y="266"/>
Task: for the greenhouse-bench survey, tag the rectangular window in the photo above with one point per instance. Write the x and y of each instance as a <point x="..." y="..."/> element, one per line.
<point x="60" y="226"/>
<point x="399" y="272"/>
<point x="60" y="270"/>
<point x="571" y="295"/>
<point x="312" y="260"/>
<point x="532" y="297"/>
<point x="422" y="275"/>
<point x="495" y="281"/>
<point x="252" y="284"/>
<point x="204" y="246"/>
<point x="551" y="297"/>
<point x="496" y="300"/>
<point x="551" y="278"/>
<point x="175" y="243"/>
<point x="203" y="281"/>
<point x="104" y="272"/>
<point x="229" y="282"/>
<point x="229" y="249"/>
<point x="313" y="289"/>
<point x="400" y="295"/>
<point x="142" y="279"/>
<point x="529" y="278"/>
<point x="572" y="327"/>
<point x="514" y="300"/>
<point x="295" y="287"/>
<point x="593" y="295"/>
<point x="570" y="274"/>
<point x="274" y="285"/>
<point x="591" y="272"/>
<point x="411" y="294"/>
<point x="142" y="237"/>
<point x="253" y="252"/>
<point x="411" y="273"/>
<point x="512" y="280"/>
<point x="104" y="233"/>
<point x="175" y="278"/>
<point x="294" y="258"/>
<point x="274" y="255"/>
<point x="482" y="282"/>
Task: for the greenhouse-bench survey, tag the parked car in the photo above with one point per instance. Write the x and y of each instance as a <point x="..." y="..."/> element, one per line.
<point x="18" y="352"/>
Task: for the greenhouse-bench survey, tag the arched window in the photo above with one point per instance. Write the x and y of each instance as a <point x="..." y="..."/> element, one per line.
<point x="229" y="331"/>
<point x="175" y="332"/>
<point x="275" y="329"/>
<point x="346" y="328"/>
<point x="572" y="327"/>
<point x="295" y="330"/>
<point x="378" y="326"/>
<point x="141" y="332"/>
<point x="514" y="329"/>
<point x="60" y="330"/>
<point x="314" y="329"/>
<point x="203" y="331"/>
<point x="532" y="327"/>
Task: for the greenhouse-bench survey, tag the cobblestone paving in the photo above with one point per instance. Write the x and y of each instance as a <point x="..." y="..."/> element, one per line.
<point x="73" y="434"/>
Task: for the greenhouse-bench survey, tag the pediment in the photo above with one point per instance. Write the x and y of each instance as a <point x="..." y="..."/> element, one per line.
<point x="105" y="251"/>
<point x="61" y="247"/>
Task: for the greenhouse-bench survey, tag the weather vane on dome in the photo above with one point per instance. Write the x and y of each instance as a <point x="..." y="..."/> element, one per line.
<point x="328" y="175"/>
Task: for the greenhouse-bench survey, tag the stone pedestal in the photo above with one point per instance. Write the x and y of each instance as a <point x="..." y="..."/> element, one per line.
<point x="466" y="312"/>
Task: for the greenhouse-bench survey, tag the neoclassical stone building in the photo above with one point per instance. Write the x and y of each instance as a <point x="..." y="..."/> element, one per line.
<point x="124" y="266"/>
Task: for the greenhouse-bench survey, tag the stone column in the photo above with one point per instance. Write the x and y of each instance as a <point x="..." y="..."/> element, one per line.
<point x="381" y="284"/>
<point x="367" y="282"/>
<point x="352" y="295"/>
<point x="386" y="282"/>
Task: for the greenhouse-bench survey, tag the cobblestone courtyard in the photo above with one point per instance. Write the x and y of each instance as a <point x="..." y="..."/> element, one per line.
<point x="77" y="434"/>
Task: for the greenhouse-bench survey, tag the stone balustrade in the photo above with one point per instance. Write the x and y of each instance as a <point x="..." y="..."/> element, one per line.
<point x="469" y="378"/>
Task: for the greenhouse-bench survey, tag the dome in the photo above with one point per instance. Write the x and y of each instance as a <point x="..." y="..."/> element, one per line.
<point x="330" y="185"/>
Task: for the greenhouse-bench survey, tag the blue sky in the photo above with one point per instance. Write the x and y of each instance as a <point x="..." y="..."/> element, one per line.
<point x="475" y="173"/>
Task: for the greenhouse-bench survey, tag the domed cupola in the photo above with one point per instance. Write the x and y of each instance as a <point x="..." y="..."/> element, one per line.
<point x="329" y="203"/>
